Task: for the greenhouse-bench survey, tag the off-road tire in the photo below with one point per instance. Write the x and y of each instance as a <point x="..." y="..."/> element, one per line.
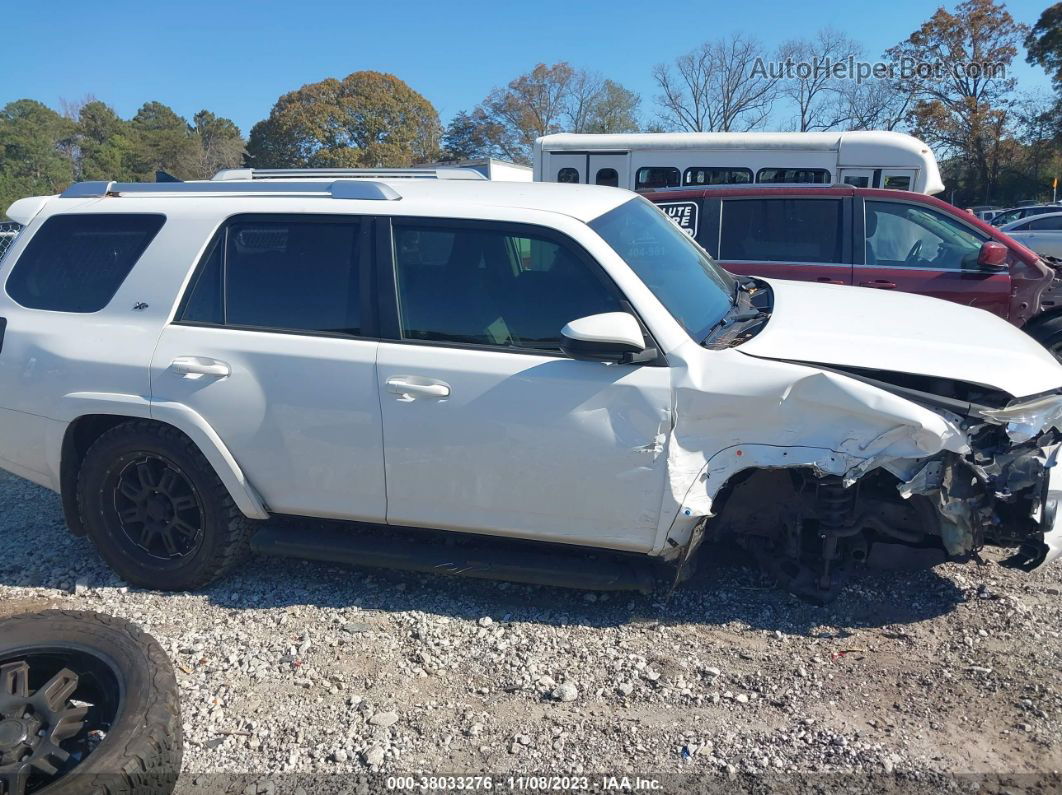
<point x="1048" y="333"/>
<point x="142" y="750"/>
<point x="225" y="530"/>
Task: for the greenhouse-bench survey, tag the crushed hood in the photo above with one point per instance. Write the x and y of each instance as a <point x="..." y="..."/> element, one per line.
<point x="904" y="333"/>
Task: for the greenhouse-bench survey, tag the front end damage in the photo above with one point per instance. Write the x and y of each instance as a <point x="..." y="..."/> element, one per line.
<point x="996" y="484"/>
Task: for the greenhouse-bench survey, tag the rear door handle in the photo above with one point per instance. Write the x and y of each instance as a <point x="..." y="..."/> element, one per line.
<point x="200" y="365"/>
<point x="828" y="280"/>
<point x="880" y="284"/>
<point x="409" y="387"/>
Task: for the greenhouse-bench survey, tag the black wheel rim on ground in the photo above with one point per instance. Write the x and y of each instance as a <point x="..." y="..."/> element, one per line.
<point x="156" y="508"/>
<point x="56" y="706"/>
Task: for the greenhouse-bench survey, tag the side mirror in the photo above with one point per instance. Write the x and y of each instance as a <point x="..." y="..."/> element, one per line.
<point x="608" y="337"/>
<point x="993" y="256"/>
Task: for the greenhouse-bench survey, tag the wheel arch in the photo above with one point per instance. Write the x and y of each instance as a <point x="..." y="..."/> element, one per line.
<point x="96" y="414"/>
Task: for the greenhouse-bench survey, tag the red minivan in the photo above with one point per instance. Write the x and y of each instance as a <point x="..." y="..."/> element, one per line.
<point x="878" y="239"/>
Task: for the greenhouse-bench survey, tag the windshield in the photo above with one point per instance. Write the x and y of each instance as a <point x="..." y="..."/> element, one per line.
<point x="695" y="290"/>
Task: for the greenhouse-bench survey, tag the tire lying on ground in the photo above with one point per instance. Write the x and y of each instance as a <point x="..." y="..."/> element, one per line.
<point x="88" y="704"/>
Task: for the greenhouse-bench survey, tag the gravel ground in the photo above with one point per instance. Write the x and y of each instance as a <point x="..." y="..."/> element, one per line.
<point x="927" y="678"/>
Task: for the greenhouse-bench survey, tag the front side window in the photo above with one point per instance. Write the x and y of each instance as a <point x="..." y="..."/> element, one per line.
<point x="716" y="175"/>
<point x="781" y="230"/>
<point x="803" y="176"/>
<point x="911" y="236"/>
<point x="695" y="290"/>
<point x="292" y="275"/>
<point x="489" y="285"/>
<point x="76" y="263"/>
<point x="650" y="177"/>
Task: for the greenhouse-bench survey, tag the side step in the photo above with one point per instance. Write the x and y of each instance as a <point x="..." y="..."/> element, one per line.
<point x="489" y="559"/>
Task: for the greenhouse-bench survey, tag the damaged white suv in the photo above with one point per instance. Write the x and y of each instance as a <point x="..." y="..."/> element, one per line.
<point x="552" y="363"/>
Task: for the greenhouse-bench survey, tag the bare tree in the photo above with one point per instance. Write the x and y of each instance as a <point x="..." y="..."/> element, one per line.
<point x="809" y="83"/>
<point x="877" y="104"/>
<point x="716" y="87"/>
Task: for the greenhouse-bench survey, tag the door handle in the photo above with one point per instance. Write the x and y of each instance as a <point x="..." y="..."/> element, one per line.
<point x="828" y="280"/>
<point x="880" y="284"/>
<point x="200" y="365"/>
<point x="408" y="389"/>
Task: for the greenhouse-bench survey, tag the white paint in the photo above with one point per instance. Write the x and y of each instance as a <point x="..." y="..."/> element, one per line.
<point x="609" y="327"/>
<point x="903" y="333"/>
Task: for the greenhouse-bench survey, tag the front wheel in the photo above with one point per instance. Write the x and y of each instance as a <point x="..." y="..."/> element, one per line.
<point x="88" y="705"/>
<point x="156" y="510"/>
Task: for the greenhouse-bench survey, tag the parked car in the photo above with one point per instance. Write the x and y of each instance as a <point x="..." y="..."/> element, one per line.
<point x="882" y="240"/>
<point x="1004" y="217"/>
<point x="1041" y="233"/>
<point x="551" y="363"/>
<point x="985" y="213"/>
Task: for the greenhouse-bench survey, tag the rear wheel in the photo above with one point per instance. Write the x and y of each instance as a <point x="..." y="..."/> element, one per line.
<point x="156" y="510"/>
<point x="1048" y="333"/>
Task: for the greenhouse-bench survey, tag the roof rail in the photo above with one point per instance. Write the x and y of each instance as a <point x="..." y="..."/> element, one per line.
<point x="338" y="189"/>
<point x="242" y="174"/>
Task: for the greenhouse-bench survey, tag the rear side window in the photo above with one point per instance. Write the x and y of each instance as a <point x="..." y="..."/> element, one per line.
<point x="716" y="175"/>
<point x="76" y="263"/>
<point x="781" y="230"/>
<point x="1048" y="222"/>
<point x="291" y="275"/>
<point x="803" y="176"/>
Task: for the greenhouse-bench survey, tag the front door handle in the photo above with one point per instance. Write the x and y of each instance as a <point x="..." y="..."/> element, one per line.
<point x="828" y="280"/>
<point x="409" y="387"/>
<point x="200" y="365"/>
<point x="880" y="284"/>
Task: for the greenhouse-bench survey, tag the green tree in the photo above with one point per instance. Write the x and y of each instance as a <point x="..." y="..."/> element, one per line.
<point x="34" y="151"/>
<point x="471" y="136"/>
<point x="163" y="141"/>
<point x="104" y="144"/>
<point x="220" y="143"/>
<point x="1044" y="43"/>
<point x="367" y="119"/>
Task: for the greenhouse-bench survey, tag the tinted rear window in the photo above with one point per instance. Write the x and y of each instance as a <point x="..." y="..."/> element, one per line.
<point x="76" y="263"/>
<point x="294" y="275"/>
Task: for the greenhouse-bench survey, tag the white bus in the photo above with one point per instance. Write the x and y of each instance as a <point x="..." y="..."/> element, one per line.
<point x="647" y="161"/>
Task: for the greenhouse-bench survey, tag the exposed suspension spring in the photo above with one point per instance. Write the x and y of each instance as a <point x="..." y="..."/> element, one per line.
<point x="836" y="504"/>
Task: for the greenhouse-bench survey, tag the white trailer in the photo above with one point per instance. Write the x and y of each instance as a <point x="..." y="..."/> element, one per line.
<point x="649" y="161"/>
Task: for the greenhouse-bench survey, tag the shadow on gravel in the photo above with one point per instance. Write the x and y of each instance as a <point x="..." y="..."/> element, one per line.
<point x="36" y="550"/>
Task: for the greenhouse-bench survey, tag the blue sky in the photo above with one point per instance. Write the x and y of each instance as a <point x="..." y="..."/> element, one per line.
<point x="236" y="58"/>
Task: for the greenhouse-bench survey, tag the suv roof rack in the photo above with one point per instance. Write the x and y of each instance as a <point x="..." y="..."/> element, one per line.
<point x="339" y="189"/>
<point x="231" y="174"/>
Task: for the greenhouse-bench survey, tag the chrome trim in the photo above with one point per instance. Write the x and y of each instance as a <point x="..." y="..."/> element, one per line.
<point x="723" y="261"/>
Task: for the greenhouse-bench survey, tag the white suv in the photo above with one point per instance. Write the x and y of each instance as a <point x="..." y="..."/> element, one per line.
<point x="553" y="363"/>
